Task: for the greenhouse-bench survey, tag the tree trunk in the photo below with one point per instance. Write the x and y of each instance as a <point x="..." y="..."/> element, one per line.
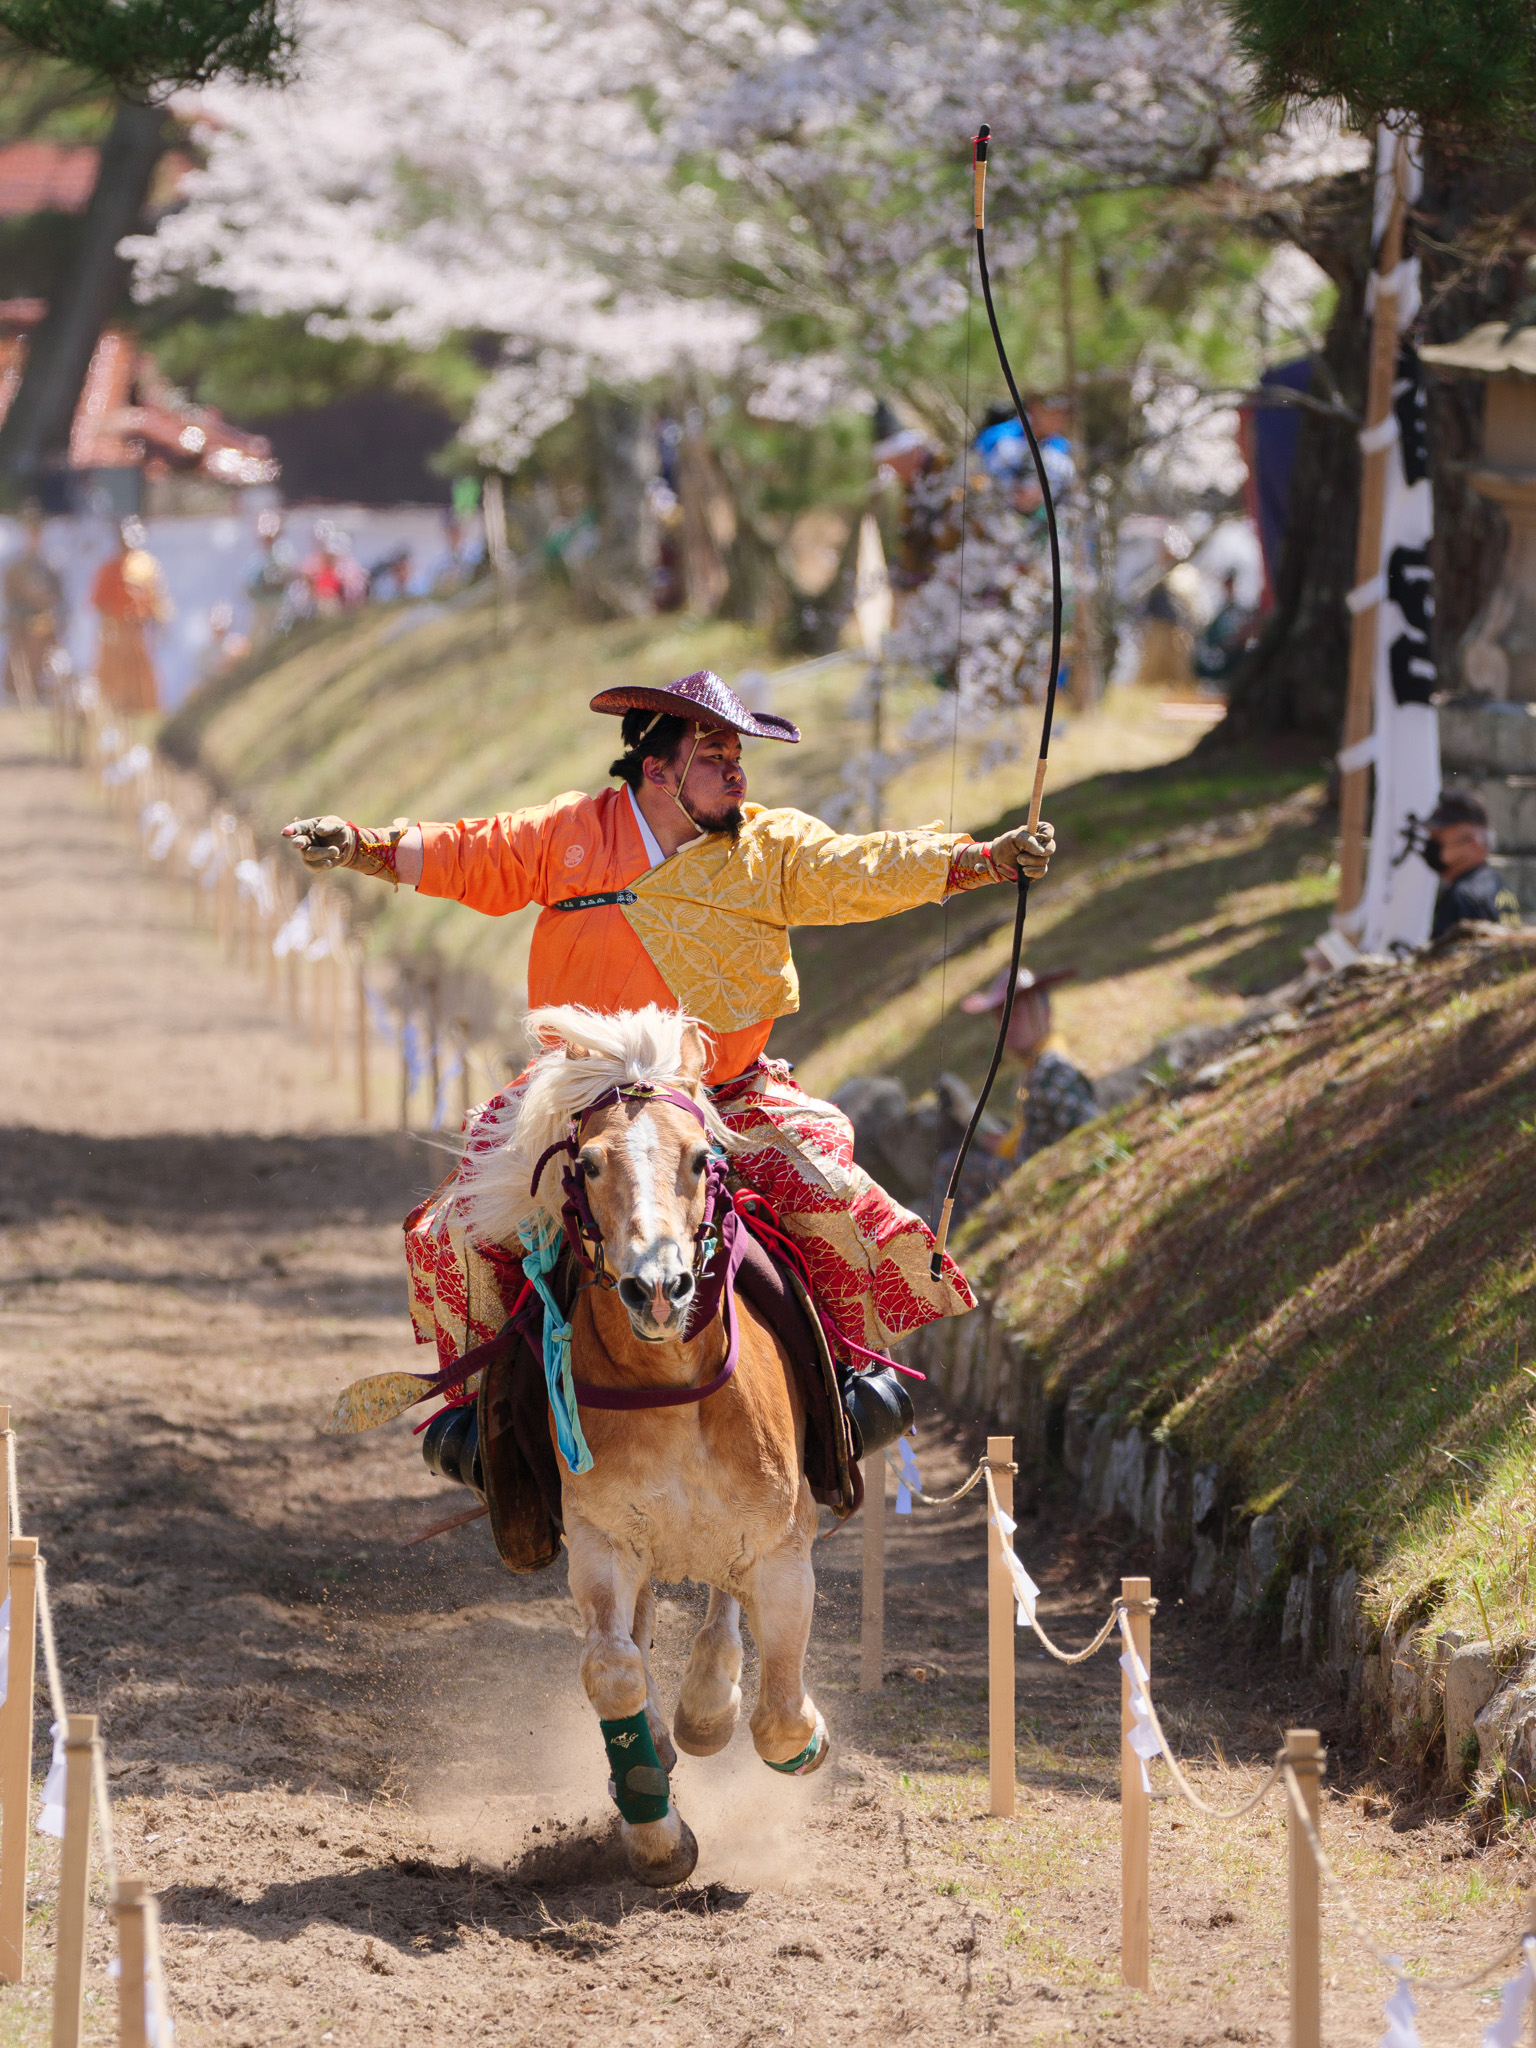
<point x="1294" y="679"/>
<point x="620" y="572"/>
<point x="35" y="436"/>
<point x="1463" y="287"/>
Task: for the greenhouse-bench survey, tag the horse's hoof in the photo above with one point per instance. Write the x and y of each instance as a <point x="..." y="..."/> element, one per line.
<point x="811" y="1758"/>
<point x="705" y="1738"/>
<point x="677" y="1868"/>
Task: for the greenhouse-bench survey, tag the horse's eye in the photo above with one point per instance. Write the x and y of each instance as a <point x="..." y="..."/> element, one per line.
<point x="700" y="1161"/>
<point x="586" y="1168"/>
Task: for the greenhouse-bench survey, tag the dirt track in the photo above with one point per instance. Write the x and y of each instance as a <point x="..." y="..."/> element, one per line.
<point x="364" y="1776"/>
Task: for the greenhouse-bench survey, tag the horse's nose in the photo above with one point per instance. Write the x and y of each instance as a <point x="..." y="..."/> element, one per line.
<point x="640" y="1298"/>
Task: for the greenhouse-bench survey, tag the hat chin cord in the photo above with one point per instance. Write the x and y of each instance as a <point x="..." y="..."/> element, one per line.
<point x="677" y="794"/>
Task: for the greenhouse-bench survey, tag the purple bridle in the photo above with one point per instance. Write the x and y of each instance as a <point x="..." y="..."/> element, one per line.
<point x="716" y="1278"/>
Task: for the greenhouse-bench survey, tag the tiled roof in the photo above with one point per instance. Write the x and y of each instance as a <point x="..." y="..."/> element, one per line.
<point x="53" y="175"/>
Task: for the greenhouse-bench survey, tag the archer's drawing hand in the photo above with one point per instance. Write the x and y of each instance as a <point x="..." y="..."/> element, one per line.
<point x="1024" y="849"/>
<point x="323" y="843"/>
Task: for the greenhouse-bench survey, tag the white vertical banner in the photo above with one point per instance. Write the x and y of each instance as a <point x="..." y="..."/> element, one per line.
<point x="1399" y="901"/>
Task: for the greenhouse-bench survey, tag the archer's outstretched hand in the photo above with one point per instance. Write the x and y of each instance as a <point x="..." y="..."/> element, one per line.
<point x="332" y="842"/>
<point x="323" y="843"/>
<point x="1024" y="849"/>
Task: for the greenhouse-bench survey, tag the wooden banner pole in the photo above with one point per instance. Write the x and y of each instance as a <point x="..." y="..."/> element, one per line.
<point x="74" y="1881"/>
<point x="1135" y="1805"/>
<point x="872" y="1602"/>
<point x="1305" y="1754"/>
<point x="1001" y="1737"/>
<point x="16" y="1758"/>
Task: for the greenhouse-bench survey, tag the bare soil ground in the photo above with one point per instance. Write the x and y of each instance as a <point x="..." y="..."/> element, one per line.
<point x="363" y="1775"/>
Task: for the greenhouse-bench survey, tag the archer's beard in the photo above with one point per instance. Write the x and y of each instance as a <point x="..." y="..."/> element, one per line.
<point x="727" y="819"/>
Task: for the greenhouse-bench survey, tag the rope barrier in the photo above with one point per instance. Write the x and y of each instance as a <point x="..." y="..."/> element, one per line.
<point x="1145" y="1738"/>
<point x="1356" y="1923"/>
<point x="945" y="1500"/>
<point x="1027" y="1592"/>
<point x="1142" y="1688"/>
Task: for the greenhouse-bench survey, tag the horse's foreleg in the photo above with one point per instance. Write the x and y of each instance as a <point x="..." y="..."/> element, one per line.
<point x="607" y="1588"/>
<point x="787" y="1730"/>
<point x="644" y="1633"/>
<point x="709" y="1704"/>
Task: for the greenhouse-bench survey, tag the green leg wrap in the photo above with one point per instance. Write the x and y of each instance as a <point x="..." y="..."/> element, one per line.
<point x="794" y="1766"/>
<point x="639" y="1783"/>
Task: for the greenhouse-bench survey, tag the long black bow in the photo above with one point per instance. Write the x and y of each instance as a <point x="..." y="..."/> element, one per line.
<point x="979" y="173"/>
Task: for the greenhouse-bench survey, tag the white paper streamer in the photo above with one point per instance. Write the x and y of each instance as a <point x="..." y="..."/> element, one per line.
<point x="51" y="1820"/>
<point x="1505" y="2031"/>
<point x="1143" y="1736"/>
<point x="255" y="880"/>
<point x="908" y="1477"/>
<point x="296" y="934"/>
<point x="1360" y="755"/>
<point x="1366" y="594"/>
<point x="1025" y="1591"/>
<point x="152" y="2032"/>
<point x="1373" y="439"/>
<point x="1402" y="2018"/>
<point x="160" y="827"/>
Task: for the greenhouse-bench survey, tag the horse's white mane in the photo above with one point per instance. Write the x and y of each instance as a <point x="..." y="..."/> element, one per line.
<point x="583" y="1055"/>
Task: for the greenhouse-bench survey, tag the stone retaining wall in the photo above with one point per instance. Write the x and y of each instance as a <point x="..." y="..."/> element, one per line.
<point x="1448" y="1702"/>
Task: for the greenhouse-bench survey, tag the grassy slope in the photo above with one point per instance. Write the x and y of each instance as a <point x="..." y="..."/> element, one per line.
<point x="1321" y="1275"/>
<point x="454" y="714"/>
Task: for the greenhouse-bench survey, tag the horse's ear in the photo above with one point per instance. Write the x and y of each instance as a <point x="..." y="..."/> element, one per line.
<point x="693" y="1059"/>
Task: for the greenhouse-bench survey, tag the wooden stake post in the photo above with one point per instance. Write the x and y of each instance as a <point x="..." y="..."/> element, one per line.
<point x="1000" y="1603"/>
<point x="138" y="1946"/>
<point x="872" y="1605"/>
<point x="360" y="1020"/>
<point x="1305" y="1755"/>
<point x="5" y="1501"/>
<point x="1359" y="701"/>
<point x="1135" y="1806"/>
<point x="74" y="1880"/>
<point x="16" y="1758"/>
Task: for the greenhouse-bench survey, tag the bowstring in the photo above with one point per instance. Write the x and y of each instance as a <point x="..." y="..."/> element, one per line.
<point x="954" y="727"/>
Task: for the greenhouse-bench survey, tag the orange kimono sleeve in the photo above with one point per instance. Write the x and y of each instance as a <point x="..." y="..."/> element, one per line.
<point x="498" y="864"/>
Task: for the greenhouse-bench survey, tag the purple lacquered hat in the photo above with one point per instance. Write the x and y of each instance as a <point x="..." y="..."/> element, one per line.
<point x="703" y="699"/>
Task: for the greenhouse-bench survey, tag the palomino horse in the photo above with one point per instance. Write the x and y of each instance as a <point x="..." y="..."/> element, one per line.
<point x="709" y="1487"/>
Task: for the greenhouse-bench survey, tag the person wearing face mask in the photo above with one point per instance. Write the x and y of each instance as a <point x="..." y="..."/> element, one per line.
<point x="1457" y="849"/>
<point x="673" y="889"/>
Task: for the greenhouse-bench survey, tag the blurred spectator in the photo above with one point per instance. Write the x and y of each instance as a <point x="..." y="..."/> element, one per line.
<point x="225" y="646"/>
<point x="1166" y="637"/>
<point x="336" y="581"/>
<point x="1458" y="848"/>
<point x="129" y="597"/>
<point x="267" y="586"/>
<point x="1054" y="1096"/>
<point x="1226" y="637"/>
<point x="390" y="578"/>
<point x="1006" y="457"/>
<point x="34" y="614"/>
<point x="462" y="552"/>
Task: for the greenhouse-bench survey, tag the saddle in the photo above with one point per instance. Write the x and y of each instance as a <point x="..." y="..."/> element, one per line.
<point x="518" y="1472"/>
